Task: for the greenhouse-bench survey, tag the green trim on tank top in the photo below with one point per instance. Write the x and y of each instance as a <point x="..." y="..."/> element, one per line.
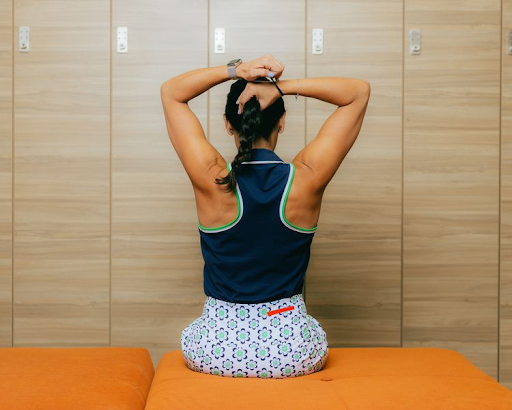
<point x="234" y="220"/>
<point x="284" y="205"/>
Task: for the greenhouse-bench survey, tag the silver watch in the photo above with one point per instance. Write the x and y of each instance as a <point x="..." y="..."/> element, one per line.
<point x="232" y="65"/>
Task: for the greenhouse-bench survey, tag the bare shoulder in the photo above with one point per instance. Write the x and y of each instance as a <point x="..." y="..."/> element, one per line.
<point x="304" y="196"/>
<point x="305" y="179"/>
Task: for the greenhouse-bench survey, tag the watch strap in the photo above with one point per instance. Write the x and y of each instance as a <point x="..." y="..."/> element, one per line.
<point x="232" y="72"/>
<point x="232" y="68"/>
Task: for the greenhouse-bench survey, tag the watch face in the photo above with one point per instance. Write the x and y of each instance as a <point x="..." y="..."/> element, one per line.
<point x="235" y="61"/>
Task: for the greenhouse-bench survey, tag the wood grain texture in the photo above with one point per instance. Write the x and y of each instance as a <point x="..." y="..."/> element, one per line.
<point x="451" y="178"/>
<point x="505" y="289"/>
<point x="5" y="173"/>
<point x="354" y="279"/>
<point x="157" y="283"/>
<point x="62" y="172"/>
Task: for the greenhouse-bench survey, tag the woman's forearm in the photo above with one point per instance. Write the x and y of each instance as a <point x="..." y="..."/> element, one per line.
<point x="189" y="85"/>
<point x="335" y="90"/>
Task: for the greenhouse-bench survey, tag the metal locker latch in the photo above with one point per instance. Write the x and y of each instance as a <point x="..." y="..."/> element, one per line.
<point x="415" y="41"/>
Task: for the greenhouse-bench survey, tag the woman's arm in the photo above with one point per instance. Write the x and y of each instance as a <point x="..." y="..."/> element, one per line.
<point x="189" y="85"/>
<point x="320" y="159"/>
<point x="340" y="91"/>
<point x="199" y="157"/>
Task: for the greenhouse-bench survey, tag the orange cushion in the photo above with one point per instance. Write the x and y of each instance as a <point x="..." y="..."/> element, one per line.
<point x="353" y="378"/>
<point x="74" y="378"/>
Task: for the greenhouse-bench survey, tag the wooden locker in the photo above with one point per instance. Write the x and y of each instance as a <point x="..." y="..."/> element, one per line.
<point x="6" y="166"/>
<point x="354" y="280"/>
<point x="505" y="289"/>
<point x="451" y="178"/>
<point x="157" y="285"/>
<point x="62" y="174"/>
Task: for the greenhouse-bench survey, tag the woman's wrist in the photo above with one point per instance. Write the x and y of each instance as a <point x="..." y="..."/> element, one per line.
<point x="288" y="86"/>
<point x="240" y="70"/>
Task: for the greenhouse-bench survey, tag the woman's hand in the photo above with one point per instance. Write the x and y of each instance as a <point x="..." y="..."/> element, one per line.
<point x="266" y="94"/>
<point x="260" y="67"/>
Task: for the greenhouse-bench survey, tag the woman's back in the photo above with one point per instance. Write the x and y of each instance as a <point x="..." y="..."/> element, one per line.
<point x="259" y="256"/>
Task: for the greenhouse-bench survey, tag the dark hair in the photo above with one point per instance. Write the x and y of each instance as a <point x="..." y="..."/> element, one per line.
<point x="251" y="125"/>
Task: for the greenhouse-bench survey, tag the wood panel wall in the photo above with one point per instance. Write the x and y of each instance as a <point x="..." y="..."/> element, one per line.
<point x="104" y="250"/>
<point x="6" y="271"/>
<point x="505" y="273"/>
<point x="62" y="175"/>
<point x="353" y="282"/>
<point x="157" y="287"/>
<point x="451" y="179"/>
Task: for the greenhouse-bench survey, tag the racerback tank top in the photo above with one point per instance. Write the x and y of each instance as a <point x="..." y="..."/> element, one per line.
<point x="259" y="256"/>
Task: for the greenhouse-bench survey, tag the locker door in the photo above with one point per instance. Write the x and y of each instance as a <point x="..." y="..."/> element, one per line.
<point x="451" y="178"/>
<point x="6" y="173"/>
<point x="505" y="324"/>
<point x="156" y="260"/>
<point x="353" y="282"/>
<point x="61" y="175"/>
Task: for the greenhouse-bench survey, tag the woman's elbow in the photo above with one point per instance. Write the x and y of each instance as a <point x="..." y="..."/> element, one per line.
<point x="367" y="88"/>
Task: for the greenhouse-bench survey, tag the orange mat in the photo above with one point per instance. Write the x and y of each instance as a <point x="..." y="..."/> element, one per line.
<point x="88" y="378"/>
<point x="424" y="378"/>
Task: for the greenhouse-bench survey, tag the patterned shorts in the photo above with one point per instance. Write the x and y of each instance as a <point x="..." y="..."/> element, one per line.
<point x="276" y="339"/>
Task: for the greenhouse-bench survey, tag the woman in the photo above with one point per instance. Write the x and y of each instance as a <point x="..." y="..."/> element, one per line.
<point x="255" y="226"/>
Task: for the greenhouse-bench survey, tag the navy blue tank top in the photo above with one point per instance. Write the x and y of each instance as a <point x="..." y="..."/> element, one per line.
<point x="259" y="256"/>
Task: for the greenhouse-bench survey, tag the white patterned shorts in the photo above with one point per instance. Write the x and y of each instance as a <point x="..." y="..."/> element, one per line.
<point x="276" y="339"/>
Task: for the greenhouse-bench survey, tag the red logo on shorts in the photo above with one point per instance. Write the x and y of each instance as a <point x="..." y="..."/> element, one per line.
<point x="273" y="312"/>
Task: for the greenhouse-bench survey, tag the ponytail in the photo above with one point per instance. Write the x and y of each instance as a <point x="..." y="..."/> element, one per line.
<point x="251" y="125"/>
<point x="249" y="129"/>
